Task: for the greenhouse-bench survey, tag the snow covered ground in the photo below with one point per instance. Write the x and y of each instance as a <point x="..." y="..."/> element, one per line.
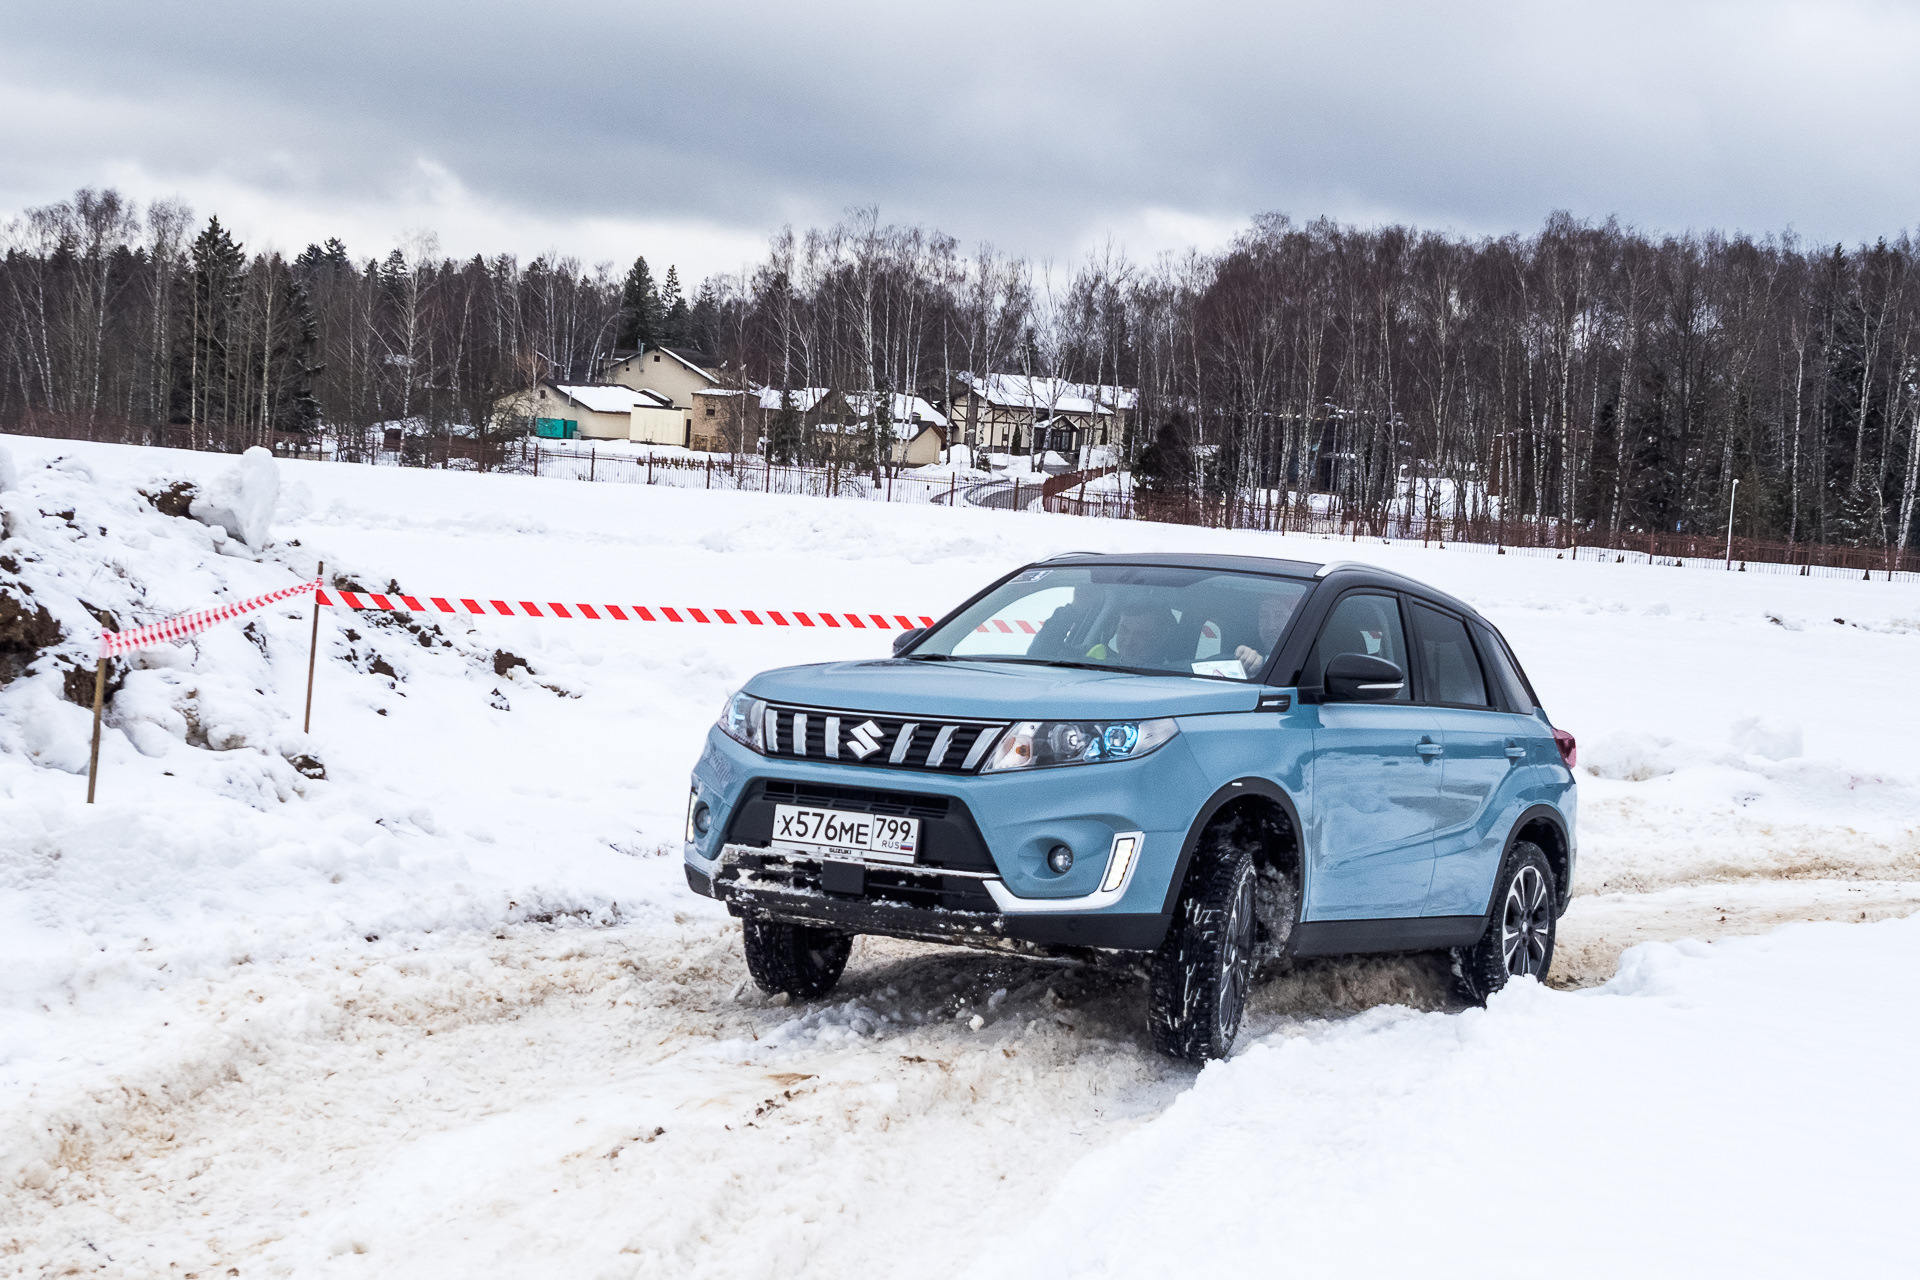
<point x="449" y="1010"/>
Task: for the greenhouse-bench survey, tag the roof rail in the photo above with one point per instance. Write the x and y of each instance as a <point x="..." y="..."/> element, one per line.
<point x="1332" y="566"/>
<point x="1067" y="555"/>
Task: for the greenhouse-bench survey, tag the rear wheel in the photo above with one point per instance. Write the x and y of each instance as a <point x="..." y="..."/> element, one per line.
<point x="798" y="959"/>
<point x="1199" y="978"/>
<point x="1518" y="942"/>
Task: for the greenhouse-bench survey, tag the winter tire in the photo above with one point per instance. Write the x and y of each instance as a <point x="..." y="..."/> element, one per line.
<point x="1518" y="942"/>
<point x="1198" y="980"/>
<point x="798" y="959"/>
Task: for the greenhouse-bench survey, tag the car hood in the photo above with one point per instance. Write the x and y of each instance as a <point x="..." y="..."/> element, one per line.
<point x="998" y="691"/>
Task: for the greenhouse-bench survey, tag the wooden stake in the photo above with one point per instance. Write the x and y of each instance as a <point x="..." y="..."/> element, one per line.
<point x="313" y="649"/>
<point x="99" y="700"/>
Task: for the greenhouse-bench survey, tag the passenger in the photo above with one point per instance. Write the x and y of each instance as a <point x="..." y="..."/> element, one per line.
<point x="1141" y="640"/>
<point x="1274" y="612"/>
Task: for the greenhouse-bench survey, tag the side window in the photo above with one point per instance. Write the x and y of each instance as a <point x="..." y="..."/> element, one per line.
<point x="1452" y="673"/>
<point x="1505" y="672"/>
<point x="1364" y="622"/>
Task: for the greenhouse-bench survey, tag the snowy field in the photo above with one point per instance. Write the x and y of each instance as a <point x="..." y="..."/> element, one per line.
<point x="424" y="993"/>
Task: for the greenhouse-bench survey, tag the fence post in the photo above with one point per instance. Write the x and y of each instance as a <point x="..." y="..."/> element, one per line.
<point x="313" y="647"/>
<point x="709" y="471"/>
<point x="593" y="456"/>
<point x="769" y="488"/>
<point x="99" y="700"/>
<point x="953" y="488"/>
<point x="536" y="459"/>
<point x="649" y="466"/>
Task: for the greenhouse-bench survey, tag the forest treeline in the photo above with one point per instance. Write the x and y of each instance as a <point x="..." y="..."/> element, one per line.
<point x="1588" y="374"/>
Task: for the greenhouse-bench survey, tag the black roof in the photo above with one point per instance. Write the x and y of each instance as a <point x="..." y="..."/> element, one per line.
<point x="1188" y="560"/>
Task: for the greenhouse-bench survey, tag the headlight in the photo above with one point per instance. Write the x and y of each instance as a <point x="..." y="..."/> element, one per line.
<point x="1039" y="744"/>
<point x="744" y="719"/>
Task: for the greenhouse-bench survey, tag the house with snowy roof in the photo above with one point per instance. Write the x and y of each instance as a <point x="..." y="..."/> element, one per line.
<point x="675" y="372"/>
<point x="726" y="418"/>
<point x="1026" y="413"/>
<point x="598" y="411"/>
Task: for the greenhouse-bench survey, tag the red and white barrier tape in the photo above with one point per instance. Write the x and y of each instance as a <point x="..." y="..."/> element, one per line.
<point x="180" y="626"/>
<point x="183" y="625"/>
<point x="622" y="613"/>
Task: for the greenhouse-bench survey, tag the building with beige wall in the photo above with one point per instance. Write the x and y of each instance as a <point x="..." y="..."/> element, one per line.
<point x="599" y="411"/>
<point x="674" y="373"/>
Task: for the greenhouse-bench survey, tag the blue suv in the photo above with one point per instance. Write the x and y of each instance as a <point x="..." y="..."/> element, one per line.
<point x="1218" y="763"/>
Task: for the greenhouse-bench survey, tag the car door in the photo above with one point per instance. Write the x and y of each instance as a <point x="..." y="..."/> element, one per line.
<point x="1376" y="778"/>
<point x="1484" y="745"/>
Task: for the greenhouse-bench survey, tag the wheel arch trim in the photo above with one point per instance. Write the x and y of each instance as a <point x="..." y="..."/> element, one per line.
<point x="1528" y="817"/>
<point x="1238" y="789"/>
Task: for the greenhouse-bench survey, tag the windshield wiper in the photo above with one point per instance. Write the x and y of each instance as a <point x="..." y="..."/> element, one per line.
<point x="932" y="657"/>
<point x="1057" y="662"/>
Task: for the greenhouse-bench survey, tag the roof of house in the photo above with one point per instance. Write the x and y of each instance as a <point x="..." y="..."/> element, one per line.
<point x="1029" y="391"/>
<point x="804" y="398"/>
<point x="698" y="361"/>
<point x="905" y="408"/>
<point x="611" y="397"/>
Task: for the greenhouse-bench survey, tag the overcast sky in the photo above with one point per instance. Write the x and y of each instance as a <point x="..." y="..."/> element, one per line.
<point x="689" y="132"/>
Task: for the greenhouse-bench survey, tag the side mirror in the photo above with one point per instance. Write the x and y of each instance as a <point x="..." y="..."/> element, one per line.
<point x="906" y="638"/>
<point x="1360" y="677"/>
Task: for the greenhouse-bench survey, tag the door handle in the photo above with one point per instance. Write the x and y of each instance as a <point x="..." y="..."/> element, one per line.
<point x="1516" y="752"/>
<point x="1429" y="748"/>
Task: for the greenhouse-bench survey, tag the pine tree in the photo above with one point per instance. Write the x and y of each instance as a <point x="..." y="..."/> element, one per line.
<point x="203" y="379"/>
<point x="703" y="322"/>
<point x="640" y="309"/>
<point x="783" y="434"/>
<point x="674" y="322"/>
<point x="1163" y="476"/>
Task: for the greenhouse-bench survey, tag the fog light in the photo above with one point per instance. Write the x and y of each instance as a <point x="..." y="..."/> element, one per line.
<point x="1120" y="860"/>
<point x="699" y="817"/>
<point x="1059" y="859"/>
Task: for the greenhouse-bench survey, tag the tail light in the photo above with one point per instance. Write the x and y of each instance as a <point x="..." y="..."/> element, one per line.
<point x="1569" y="750"/>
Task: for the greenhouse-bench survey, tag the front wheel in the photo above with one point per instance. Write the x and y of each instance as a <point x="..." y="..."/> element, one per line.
<point x="798" y="959"/>
<point x="1199" y="978"/>
<point x="1518" y="942"/>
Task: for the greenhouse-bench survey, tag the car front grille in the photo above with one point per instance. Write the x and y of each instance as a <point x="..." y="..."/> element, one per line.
<point x="940" y="744"/>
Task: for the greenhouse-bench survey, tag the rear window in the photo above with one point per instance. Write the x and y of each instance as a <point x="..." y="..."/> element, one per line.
<point x="1505" y="671"/>
<point x="1451" y="671"/>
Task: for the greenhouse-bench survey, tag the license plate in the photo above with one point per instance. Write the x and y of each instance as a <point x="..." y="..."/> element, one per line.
<point x="870" y="836"/>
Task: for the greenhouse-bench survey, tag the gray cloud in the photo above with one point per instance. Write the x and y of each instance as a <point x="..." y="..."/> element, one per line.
<point x="1036" y="126"/>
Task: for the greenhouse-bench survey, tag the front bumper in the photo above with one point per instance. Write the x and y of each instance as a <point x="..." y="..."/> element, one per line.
<point x="982" y="878"/>
<point x="919" y="902"/>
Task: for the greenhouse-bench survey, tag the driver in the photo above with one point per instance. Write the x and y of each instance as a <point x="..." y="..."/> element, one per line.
<point x="1142" y="638"/>
<point x="1274" y="612"/>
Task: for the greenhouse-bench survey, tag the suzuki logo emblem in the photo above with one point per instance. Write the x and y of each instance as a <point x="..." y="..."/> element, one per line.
<point x="864" y="740"/>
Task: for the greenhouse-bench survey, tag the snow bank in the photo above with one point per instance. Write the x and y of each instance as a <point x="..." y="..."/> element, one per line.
<point x="1735" y="1109"/>
<point x="8" y="476"/>
<point x="242" y="499"/>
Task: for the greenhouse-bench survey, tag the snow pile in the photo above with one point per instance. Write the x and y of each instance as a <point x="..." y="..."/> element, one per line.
<point x="224" y="833"/>
<point x="8" y="476"/>
<point x="1735" y="1109"/>
<point x="242" y="499"/>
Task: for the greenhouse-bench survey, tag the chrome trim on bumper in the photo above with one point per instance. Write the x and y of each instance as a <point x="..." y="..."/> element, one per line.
<point x="734" y="856"/>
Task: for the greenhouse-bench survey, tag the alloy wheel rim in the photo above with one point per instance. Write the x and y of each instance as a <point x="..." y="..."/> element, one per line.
<point x="1236" y="960"/>
<point x="1526" y="925"/>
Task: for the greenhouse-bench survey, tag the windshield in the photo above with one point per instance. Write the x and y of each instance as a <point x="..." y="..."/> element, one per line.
<point x="1151" y="618"/>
